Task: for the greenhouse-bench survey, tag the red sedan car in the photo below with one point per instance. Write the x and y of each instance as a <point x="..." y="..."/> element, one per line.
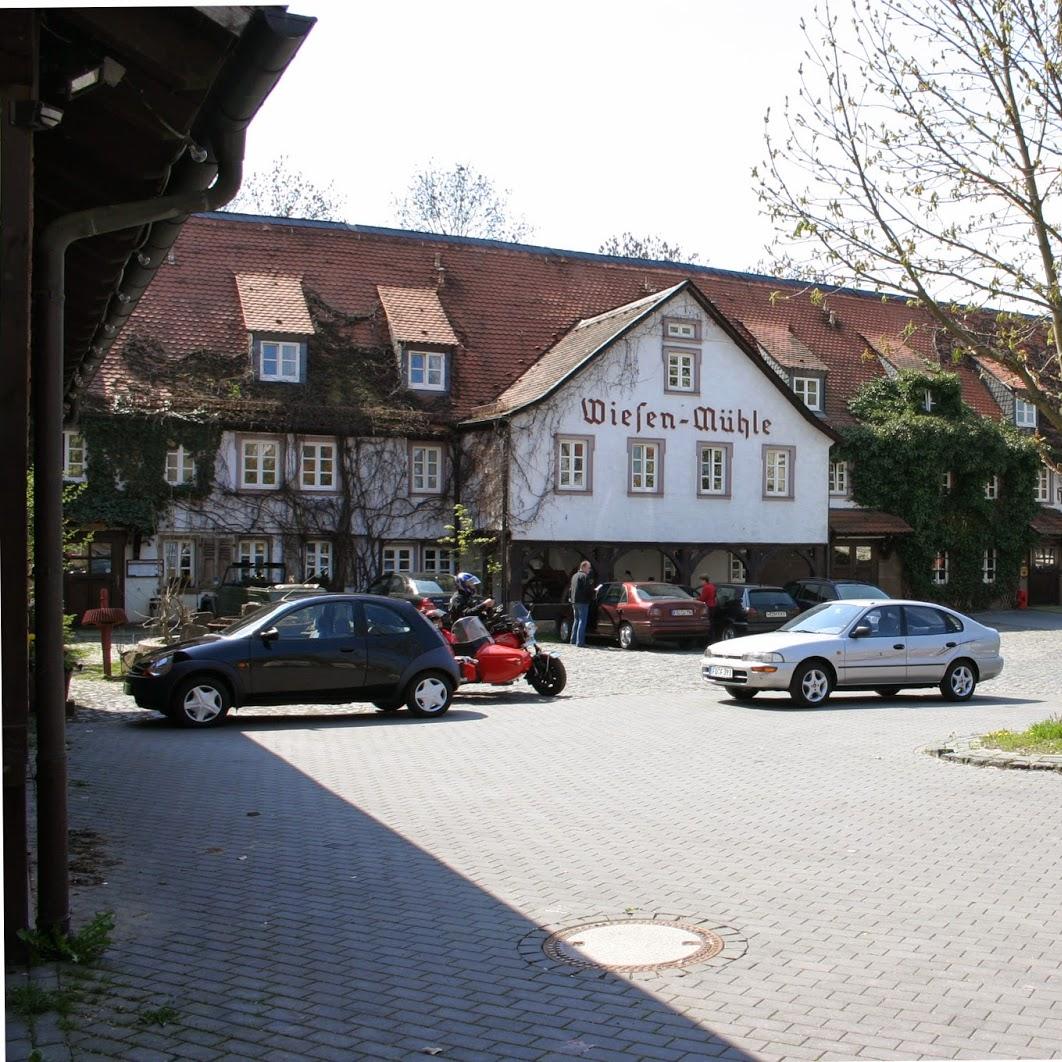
<point x="633" y="614"/>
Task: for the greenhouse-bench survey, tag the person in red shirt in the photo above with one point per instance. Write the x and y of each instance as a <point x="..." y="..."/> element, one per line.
<point x="707" y="594"/>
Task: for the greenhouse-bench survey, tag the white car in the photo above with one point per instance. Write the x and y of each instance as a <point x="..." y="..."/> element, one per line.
<point x="869" y="644"/>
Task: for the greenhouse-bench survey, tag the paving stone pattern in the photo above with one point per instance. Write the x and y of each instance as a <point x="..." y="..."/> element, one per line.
<point x="341" y="885"/>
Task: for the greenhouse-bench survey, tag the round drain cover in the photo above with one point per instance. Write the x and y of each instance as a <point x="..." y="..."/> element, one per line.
<point x="637" y="944"/>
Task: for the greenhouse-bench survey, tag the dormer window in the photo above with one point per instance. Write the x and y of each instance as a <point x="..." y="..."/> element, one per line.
<point x="279" y="361"/>
<point x="809" y="390"/>
<point x="427" y="370"/>
<point x="1024" y="413"/>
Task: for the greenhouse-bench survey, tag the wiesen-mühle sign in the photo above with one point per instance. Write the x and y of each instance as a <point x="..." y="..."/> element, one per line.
<point x="703" y="418"/>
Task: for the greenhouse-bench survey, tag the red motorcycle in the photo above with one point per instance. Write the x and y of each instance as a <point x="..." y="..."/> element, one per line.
<point x="507" y="654"/>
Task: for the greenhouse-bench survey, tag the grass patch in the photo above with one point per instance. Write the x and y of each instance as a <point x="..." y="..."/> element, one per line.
<point x="29" y="1001"/>
<point x="158" y="1016"/>
<point x="85" y="946"/>
<point x="1043" y="737"/>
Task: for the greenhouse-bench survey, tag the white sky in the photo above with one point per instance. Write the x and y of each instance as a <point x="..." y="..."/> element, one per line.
<point x="598" y="117"/>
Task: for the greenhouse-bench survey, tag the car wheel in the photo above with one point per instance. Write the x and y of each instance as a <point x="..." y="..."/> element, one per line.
<point x="429" y="694"/>
<point x="200" y="701"/>
<point x="959" y="682"/>
<point x="812" y="684"/>
<point x="740" y="693"/>
<point x="727" y="633"/>
<point x="887" y="691"/>
<point x="564" y="630"/>
<point x="387" y="706"/>
<point x="627" y="637"/>
<point x="547" y="676"/>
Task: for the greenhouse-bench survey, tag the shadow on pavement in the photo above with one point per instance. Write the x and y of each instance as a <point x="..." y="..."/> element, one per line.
<point x="780" y="702"/>
<point x="273" y="914"/>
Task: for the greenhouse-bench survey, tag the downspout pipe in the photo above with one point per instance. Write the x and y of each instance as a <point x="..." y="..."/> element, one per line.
<point x="53" y="901"/>
<point x="262" y="56"/>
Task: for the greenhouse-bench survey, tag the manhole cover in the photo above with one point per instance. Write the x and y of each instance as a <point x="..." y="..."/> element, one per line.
<point x="634" y="944"/>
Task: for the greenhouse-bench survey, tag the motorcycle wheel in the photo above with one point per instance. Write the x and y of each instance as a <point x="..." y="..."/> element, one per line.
<point x="547" y="676"/>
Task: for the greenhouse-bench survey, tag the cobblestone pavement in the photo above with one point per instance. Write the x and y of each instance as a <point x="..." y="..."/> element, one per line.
<point x="341" y="885"/>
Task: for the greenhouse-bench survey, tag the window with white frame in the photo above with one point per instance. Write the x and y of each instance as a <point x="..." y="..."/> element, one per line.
<point x="1043" y="485"/>
<point x="947" y="480"/>
<point x="839" y="477"/>
<point x="438" y="560"/>
<point x="178" y="560"/>
<point x="643" y="465"/>
<point x="713" y="469"/>
<point x="278" y="360"/>
<point x="681" y="370"/>
<point x="427" y="370"/>
<point x="180" y="467"/>
<point x="940" y="568"/>
<point x="425" y="469"/>
<point x="928" y="401"/>
<point x="253" y="552"/>
<point x="1024" y="413"/>
<point x="318" y="559"/>
<point x="992" y="488"/>
<point x="809" y="390"/>
<point x="777" y="472"/>
<point x="398" y="559"/>
<point x="317" y="469"/>
<point x="73" y="455"/>
<point x="573" y="464"/>
<point x="988" y="566"/>
<point x="736" y="568"/>
<point x="260" y="464"/>
<point x="685" y="328"/>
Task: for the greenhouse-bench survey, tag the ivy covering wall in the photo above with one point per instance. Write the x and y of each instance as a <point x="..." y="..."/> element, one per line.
<point x="899" y="454"/>
<point x="125" y="476"/>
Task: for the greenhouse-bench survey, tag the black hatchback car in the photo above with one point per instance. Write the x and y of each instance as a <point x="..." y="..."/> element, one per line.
<point x="744" y="608"/>
<point x="332" y="649"/>
<point x="811" y="592"/>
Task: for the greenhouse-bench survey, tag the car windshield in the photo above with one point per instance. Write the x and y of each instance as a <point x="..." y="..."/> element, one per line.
<point x="770" y="599"/>
<point x="427" y="586"/>
<point x="252" y="619"/>
<point x="659" y="591"/>
<point x="831" y="617"/>
<point x="859" y="590"/>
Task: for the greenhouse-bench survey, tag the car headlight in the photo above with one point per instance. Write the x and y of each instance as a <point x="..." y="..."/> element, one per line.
<point x="764" y="658"/>
<point x="159" y="666"/>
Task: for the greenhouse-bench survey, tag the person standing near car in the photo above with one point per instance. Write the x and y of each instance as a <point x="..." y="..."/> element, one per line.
<point x="707" y="595"/>
<point x="582" y="594"/>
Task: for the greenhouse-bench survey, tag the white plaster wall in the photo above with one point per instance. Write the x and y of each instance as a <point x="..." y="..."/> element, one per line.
<point x="629" y="373"/>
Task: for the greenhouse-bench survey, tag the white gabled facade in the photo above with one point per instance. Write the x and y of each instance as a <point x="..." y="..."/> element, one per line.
<point x="643" y="445"/>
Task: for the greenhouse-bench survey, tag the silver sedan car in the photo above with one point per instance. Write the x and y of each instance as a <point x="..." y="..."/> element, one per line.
<point x="878" y="645"/>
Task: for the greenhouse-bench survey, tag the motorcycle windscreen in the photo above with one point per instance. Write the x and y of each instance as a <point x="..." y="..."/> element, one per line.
<point x="469" y="629"/>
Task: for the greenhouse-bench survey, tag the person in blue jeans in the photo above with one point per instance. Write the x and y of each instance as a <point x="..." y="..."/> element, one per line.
<point x="582" y="593"/>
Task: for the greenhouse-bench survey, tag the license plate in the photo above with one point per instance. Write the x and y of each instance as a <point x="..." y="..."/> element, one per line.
<point x="776" y="615"/>
<point x="682" y="612"/>
<point x="715" y="671"/>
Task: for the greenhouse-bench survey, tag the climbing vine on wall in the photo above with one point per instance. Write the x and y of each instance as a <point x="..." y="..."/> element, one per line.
<point x="125" y="478"/>
<point x="900" y="455"/>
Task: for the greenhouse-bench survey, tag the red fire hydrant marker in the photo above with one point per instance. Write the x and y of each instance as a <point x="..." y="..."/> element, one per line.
<point x="105" y="618"/>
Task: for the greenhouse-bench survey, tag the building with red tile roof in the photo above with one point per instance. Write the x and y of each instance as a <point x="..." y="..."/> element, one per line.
<point x="432" y="348"/>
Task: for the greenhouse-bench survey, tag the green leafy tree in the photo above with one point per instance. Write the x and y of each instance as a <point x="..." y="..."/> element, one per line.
<point x="900" y="455"/>
<point x="459" y="201"/>
<point x="465" y="541"/>
<point x="920" y="156"/>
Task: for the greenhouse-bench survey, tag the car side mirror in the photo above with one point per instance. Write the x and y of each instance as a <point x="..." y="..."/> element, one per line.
<point x="861" y="631"/>
<point x="269" y="635"/>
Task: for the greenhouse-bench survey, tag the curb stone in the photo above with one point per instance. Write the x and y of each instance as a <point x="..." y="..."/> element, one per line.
<point x="968" y="750"/>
